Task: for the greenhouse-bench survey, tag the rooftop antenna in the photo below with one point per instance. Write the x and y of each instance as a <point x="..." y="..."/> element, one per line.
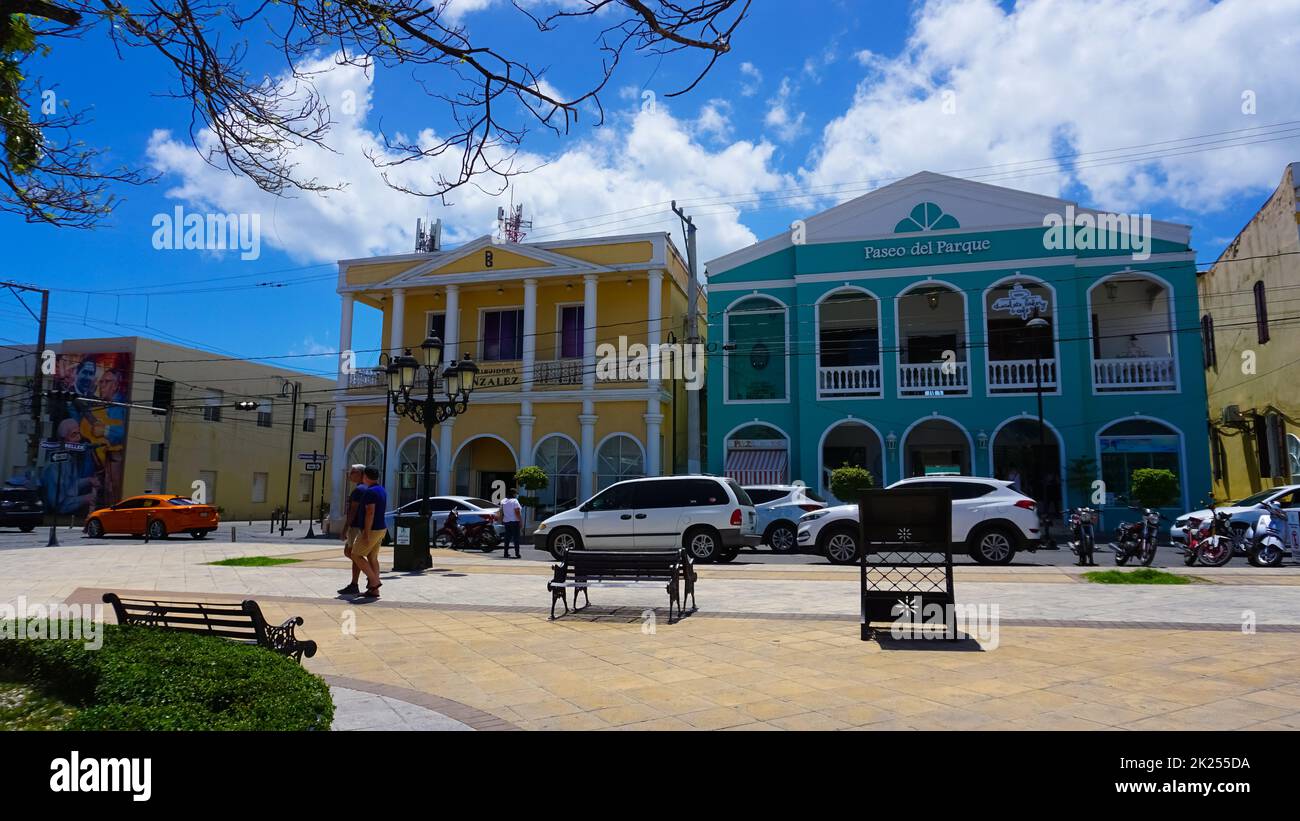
<point x="511" y="225"/>
<point x="428" y="241"/>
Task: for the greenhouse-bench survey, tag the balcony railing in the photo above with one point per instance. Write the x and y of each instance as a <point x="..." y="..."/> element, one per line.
<point x="1017" y="376"/>
<point x="496" y="376"/>
<point x="375" y="380"/>
<point x="849" y="380"/>
<point x="557" y="372"/>
<point x="1148" y="373"/>
<point x="934" y="379"/>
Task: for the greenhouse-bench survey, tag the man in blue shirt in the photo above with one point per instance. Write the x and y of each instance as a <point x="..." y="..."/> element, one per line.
<point x="356" y="478"/>
<point x="370" y="521"/>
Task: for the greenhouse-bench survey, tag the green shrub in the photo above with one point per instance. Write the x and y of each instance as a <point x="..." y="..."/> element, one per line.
<point x="147" y="679"/>
<point x="1154" y="487"/>
<point x="846" y="481"/>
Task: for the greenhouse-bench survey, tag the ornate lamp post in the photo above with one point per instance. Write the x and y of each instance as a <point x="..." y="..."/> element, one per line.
<point x="429" y="411"/>
<point x="1038" y="328"/>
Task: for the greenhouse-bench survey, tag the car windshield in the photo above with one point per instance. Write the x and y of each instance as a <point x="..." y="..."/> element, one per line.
<point x="1255" y="499"/>
<point x="19" y="495"/>
<point x="741" y="496"/>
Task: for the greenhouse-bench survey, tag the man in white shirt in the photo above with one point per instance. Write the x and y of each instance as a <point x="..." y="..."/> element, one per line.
<point x="512" y="516"/>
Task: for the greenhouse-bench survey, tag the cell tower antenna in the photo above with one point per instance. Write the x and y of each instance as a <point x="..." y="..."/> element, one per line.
<point x="511" y="225"/>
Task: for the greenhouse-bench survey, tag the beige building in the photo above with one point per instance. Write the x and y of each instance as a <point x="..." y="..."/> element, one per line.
<point x="238" y="458"/>
<point x="1251" y="341"/>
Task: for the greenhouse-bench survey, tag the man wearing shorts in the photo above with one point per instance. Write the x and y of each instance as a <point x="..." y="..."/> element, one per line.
<point x="370" y="521"/>
<point x="356" y="476"/>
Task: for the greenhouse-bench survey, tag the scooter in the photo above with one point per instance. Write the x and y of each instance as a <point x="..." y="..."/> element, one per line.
<point x="1082" y="537"/>
<point x="1275" y="538"/>
<point x="1137" y="540"/>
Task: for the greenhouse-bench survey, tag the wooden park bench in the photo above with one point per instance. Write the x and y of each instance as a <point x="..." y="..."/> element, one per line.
<point x="242" y="622"/>
<point x="621" y="568"/>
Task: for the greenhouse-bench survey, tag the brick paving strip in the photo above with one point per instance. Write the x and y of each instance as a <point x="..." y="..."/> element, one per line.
<point x="463" y="713"/>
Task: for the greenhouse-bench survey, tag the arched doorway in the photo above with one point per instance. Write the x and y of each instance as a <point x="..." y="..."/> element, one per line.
<point x="619" y="457"/>
<point x="848" y="344"/>
<point x="410" y="471"/>
<point x="932" y="341"/>
<point x="1134" y="347"/>
<point x="480" y="464"/>
<point x="1130" y="444"/>
<point x="850" y="443"/>
<point x="1036" y="470"/>
<point x="557" y="456"/>
<point x="757" y="454"/>
<point x="936" y="446"/>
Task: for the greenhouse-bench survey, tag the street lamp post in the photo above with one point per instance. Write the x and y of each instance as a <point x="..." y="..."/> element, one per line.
<point x="429" y="411"/>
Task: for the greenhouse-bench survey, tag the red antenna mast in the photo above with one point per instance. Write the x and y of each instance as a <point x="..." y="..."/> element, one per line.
<point x="511" y="225"/>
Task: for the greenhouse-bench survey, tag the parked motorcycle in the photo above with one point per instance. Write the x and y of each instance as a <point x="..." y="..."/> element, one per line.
<point x="1137" y="540"/>
<point x="1274" y="538"/>
<point x="474" y="536"/>
<point x="1210" y="541"/>
<point x="1082" y="536"/>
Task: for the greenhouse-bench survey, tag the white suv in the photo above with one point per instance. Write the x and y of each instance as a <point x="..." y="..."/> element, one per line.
<point x="990" y="521"/>
<point x="710" y="516"/>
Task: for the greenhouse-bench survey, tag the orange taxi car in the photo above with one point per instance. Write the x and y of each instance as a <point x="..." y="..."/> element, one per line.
<point x="158" y="514"/>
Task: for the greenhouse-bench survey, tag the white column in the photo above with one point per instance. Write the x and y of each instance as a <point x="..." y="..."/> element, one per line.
<point x="338" y="458"/>
<point x="654" y="321"/>
<point x="589" y="321"/>
<point x="526" y="421"/>
<point x="396" y="334"/>
<point x="450" y="345"/>
<point x="530" y="334"/>
<point x="587" y="450"/>
<point x="654" y="446"/>
<point x="444" y="456"/>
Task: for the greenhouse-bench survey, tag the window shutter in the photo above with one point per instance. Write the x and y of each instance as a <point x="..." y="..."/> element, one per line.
<point x="1261" y="313"/>
<point x="1262" y="450"/>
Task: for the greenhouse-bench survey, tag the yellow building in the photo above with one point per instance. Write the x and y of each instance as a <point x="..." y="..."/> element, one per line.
<point x="1250" y="346"/>
<point x="243" y="460"/>
<point x="536" y="319"/>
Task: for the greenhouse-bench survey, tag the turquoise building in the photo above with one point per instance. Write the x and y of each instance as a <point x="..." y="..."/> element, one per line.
<point x="911" y="330"/>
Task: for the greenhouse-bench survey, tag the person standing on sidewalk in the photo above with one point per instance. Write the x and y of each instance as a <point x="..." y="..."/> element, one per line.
<point x="512" y="516"/>
<point x="365" y="553"/>
<point x="356" y="478"/>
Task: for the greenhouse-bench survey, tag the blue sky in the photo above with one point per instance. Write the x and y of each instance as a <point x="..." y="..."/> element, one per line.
<point x="819" y="100"/>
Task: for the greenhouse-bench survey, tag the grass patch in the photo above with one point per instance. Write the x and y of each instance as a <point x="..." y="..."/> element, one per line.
<point x="148" y="679"/>
<point x="1143" y="575"/>
<point x="25" y="707"/>
<point x="255" y="561"/>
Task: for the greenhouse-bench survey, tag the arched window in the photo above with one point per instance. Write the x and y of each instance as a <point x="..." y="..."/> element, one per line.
<point x="618" y="458"/>
<point x="558" y="458"/>
<point x="1293" y="456"/>
<point x="1133" y="444"/>
<point x="1261" y="313"/>
<point x="410" y="471"/>
<point x="367" y="451"/>
<point x="756" y="351"/>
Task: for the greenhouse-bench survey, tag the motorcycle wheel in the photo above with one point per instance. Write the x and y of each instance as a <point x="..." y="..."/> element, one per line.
<point x="1265" y="555"/>
<point x="1121" y="555"/>
<point x="1216" y="552"/>
<point x="1148" y="554"/>
<point x="1189" y="558"/>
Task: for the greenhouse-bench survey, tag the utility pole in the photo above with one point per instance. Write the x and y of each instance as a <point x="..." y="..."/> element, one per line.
<point x="292" y="389"/>
<point x="692" y="340"/>
<point x="38" y="376"/>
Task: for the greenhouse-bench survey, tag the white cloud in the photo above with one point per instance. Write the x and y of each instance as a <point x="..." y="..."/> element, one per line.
<point x="752" y="79"/>
<point x="779" y="117"/>
<point x="1047" y="77"/>
<point x="633" y="165"/>
<point x="715" y="119"/>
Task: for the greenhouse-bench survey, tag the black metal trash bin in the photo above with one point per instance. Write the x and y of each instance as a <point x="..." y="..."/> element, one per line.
<point x="411" y="543"/>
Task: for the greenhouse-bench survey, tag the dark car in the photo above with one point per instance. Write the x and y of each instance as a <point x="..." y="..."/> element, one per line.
<point x="21" y="507"/>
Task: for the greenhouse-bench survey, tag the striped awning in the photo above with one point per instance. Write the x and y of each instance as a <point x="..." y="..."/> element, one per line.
<point x="757" y="467"/>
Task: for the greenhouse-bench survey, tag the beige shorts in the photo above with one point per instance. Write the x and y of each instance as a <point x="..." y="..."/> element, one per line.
<point x="353" y="534"/>
<point x="365" y="548"/>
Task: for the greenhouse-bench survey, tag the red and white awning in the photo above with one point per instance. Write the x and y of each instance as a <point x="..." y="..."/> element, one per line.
<point x="757" y="467"/>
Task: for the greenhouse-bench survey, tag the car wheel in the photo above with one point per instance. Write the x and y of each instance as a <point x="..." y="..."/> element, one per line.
<point x="27" y="528"/>
<point x="703" y="544"/>
<point x="994" y="545"/>
<point x="94" y="528"/>
<point x="728" y="555"/>
<point x="1240" y="538"/>
<point x="157" y="530"/>
<point x="781" y="538"/>
<point x="842" y="546"/>
<point x="562" y="541"/>
<point x="199" y="534"/>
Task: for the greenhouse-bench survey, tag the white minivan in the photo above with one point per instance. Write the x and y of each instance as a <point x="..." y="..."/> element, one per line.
<point x="710" y="516"/>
